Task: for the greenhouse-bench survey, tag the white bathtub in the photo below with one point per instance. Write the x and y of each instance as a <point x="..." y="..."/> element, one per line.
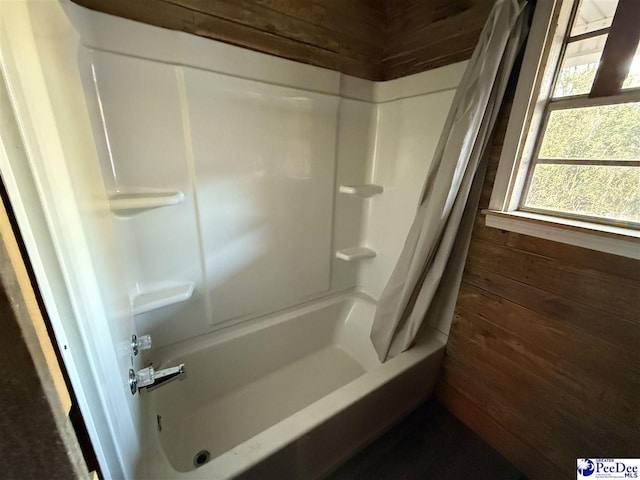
<point x="290" y="395"/>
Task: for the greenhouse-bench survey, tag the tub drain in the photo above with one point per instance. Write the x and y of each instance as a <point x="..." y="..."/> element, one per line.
<point x="201" y="458"/>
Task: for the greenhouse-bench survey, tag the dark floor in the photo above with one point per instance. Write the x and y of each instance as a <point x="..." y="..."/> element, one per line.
<point x="430" y="444"/>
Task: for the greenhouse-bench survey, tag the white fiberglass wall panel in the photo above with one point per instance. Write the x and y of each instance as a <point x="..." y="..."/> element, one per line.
<point x="143" y="124"/>
<point x="264" y="166"/>
<point x="355" y="143"/>
<point x="259" y="165"/>
<point x="408" y="133"/>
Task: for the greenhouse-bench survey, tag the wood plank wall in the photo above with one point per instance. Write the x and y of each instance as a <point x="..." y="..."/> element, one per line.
<point x="543" y="360"/>
<point x="372" y="39"/>
<point x="422" y="35"/>
<point x="346" y="36"/>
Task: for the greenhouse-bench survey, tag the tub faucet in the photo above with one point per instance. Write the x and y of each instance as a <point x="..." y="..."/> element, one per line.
<point x="149" y="378"/>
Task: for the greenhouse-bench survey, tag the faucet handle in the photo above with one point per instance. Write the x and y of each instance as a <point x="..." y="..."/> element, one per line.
<point x="145" y="377"/>
<point x="143" y="342"/>
<point x="150" y="378"/>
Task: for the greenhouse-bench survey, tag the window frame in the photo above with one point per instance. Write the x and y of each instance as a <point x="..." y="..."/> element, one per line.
<point x="530" y="111"/>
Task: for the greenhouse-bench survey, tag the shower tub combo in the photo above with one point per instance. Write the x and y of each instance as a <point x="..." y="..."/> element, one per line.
<point x="244" y="210"/>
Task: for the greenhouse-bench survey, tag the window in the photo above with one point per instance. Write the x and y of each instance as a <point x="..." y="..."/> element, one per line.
<point x="570" y="166"/>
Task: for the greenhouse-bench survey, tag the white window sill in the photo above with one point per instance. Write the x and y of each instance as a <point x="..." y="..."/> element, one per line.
<point x="604" y="238"/>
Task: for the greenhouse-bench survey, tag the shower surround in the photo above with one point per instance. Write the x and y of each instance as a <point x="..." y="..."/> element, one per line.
<point x="245" y="211"/>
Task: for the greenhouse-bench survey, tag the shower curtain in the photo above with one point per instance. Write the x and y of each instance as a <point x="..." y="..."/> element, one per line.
<point x="425" y="281"/>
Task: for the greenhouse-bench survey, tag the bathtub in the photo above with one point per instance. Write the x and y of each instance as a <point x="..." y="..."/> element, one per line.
<point x="290" y="395"/>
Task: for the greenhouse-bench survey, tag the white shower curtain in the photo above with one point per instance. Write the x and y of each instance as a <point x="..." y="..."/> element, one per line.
<point x="425" y="281"/>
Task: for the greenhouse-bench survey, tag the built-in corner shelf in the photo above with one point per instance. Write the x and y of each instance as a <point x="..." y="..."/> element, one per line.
<point x="132" y="203"/>
<point x="361" y="190"/>
<point x="355" y="253"/>
<point x="152" y="300"/>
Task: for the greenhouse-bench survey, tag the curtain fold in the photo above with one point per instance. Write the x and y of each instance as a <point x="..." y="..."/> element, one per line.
<point x="424" y="284"/>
